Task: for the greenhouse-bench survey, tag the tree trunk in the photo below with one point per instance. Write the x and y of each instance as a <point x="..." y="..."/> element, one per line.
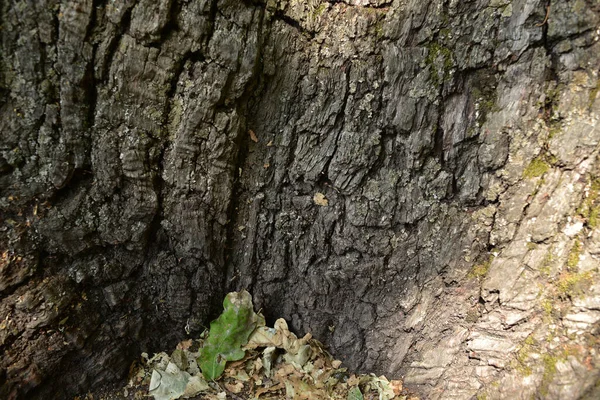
<point x="414" y="182"/>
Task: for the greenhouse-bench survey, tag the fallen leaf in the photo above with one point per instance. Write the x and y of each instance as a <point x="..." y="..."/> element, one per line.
<point x="241" y="375"/>
<point x="355" y="394"/>
<point x="396" y="386"/>
<point x="382" y="385"/>
<point x="258" y="365"/>
<point x="186" y="344"/>
<point x="252" y="135"/>
<point x="268" y="359"/>
<point x="285" y="370"/>
<point x="167" y="385"/>
<point x="195" y="385"/>
<point x="234" y="387"/>
<point x="228" y="334"/>
<point x="320" y="199"/>
<point x="263" y="390"/>
<point x="300" y="357"/>
<point x="264" y="336"/>
<point x="353" y="380"/>
<point x="272" y="364"/>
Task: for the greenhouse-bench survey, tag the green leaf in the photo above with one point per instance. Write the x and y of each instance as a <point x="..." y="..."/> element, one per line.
<point x="228" y="334"/>
<point x="355" y="394"/>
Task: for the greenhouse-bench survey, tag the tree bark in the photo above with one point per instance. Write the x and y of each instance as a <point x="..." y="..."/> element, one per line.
<point x="156" y="154"/>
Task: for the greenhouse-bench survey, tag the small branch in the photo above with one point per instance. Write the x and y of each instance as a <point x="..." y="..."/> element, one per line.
<point x="547" y="15"/>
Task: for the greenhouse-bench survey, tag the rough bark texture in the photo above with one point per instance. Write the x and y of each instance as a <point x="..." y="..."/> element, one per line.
<point x="455" y="141"/>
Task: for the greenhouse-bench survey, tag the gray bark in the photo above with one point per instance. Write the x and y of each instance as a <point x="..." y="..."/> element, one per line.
<point x="455" y="142"/>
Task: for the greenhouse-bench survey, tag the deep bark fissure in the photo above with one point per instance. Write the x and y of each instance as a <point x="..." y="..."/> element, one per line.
<point x="281" y="16"/>
<point x="338" y="125"/>
<point x="242" y="144"/>
<point x="171" y="25"/>
<point x="212" y="17"/>
<point x="115" y="41"/>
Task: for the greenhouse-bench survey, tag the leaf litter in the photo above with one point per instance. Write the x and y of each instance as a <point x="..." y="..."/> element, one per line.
<point x="320" y="199"/>
<point x="242" y="358"/>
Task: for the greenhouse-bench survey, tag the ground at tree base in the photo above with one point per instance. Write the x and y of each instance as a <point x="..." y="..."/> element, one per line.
<point x="241" y="358"/>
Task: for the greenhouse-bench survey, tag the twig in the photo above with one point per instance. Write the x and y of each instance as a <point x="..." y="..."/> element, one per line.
<point x="547" y="15"/>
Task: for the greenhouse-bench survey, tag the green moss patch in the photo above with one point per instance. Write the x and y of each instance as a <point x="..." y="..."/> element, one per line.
<point x="590" y="206"/>
<point x="480" y="271"/>
<point x="574" y="254"/>
<point x="437" y="56"/>
<point x="573" y="285"/>
<point x="521" y="365"/>
<point x="536" y="168"/>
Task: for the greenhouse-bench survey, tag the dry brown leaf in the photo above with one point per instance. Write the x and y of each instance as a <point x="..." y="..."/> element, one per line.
<point x="285" y="370"/>
<point x="233" y="365"/>
<point x="353" y="380"/>
<point x="396" y="387"/>
<point x="304" y="391"/>
<point x="263" y="390"/>
<point x="241" y="375"/>
<point x="186" y="344"/>
<point x="252" y="135"/>
<point x="258" y="364"/>
<point x="320" y="199"/>
<point x="234" y="387"/>
<point x="300" y="368"/>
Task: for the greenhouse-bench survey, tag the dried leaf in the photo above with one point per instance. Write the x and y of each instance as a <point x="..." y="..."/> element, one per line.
<point x="268" y="359"/>
<point x="264" y="336"/>
<point x="166" y="386"/>
<point x="186" y="344"/>
<point x="301" y="356"/>
<point x="241" y="375"/>
<point x="195" y="385"/>
<point x="355" y="394"/>
<point x="285" y="370"/>
<point x="264" y="390"/>
<point x="234" y="387"/>
<point x="252" y="135"/>
<point x="396" y="387"/>
<point x="320" y="199"/>
<point x="258" y="365"/>
<point x="353" y="380"/>
<point x="383" y="387"/>
<point x="180" y="359"/>
<point x="297" y="350"/>
<point x="172" y="383"/>
<point x="298" y="368"/>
